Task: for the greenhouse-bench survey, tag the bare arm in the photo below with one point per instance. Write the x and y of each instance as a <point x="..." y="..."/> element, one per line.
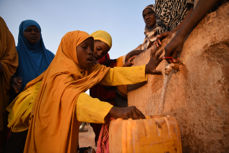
<point x="174" y="47"/>
<point x="135" y="86"/>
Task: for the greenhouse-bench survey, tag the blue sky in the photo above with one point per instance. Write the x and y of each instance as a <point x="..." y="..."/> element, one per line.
<point x="121" y="18"/>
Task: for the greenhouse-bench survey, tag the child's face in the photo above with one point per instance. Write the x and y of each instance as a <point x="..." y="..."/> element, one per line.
<point x="85" y="54"/>
<point x="149" y="18"/>
<point x="100" y="49"/>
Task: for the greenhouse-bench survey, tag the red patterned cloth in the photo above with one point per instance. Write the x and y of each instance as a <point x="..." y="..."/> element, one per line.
<point x="103" y="142"/>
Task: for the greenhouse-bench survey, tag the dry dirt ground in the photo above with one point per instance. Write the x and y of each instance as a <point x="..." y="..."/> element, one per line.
<point x="87" y="138"/>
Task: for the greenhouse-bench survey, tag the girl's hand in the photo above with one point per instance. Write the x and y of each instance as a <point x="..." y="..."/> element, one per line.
<point x="155" y="59"/>
<point x="126" y="112"/>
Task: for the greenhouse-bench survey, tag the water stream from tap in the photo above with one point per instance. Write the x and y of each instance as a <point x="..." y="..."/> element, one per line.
<point x="166" y="79"/>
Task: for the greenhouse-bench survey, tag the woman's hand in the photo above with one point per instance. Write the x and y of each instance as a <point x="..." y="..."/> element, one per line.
<point x="16" y="84"/>
<point x="160" y="37"/>
<point x="126" y="112"/>
<point x="155" y="59"/>
<point x="133" y="53"/>
<point x="174" y="47"/>
<point x="129" y="62"/>
<point x="131" y="56"/>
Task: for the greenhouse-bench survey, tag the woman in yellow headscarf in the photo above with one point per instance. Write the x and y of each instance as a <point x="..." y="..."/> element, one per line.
<point x="114" y="95"/>
<point x="102" y="45"/>
<point x="8" y="66"/>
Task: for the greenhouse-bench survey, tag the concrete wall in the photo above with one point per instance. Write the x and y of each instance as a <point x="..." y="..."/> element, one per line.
<point x="198" y="94"/>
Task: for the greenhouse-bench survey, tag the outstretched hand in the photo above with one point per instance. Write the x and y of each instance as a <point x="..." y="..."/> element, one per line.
<point x="129" y="62"/>
<point x="174" y="47"/>
<point x="160" y="37"/>
<point x="126" y="112"/>
<point x="155" y="59"/>
<point x="131" y="56"/>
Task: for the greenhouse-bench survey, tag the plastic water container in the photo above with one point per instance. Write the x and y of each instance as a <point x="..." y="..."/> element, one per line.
<point x="155" y="134"/>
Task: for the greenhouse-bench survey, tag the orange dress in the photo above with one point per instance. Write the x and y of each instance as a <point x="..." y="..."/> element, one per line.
<point x="9" y="63"/>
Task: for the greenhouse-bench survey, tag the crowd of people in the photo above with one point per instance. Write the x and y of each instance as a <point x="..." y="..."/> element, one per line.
<point x="44" y="94"/>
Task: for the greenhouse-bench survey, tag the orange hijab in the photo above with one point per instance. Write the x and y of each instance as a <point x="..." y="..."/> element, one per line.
<point x="9" y="63"/>
<point x="54" y="125"/>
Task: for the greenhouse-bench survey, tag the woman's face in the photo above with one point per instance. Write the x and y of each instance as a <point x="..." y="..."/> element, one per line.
<point x="32" y="34"/>
<point x="100" y="49"/>
<point x="85" y="54"/>
<point x="149" y="18"/>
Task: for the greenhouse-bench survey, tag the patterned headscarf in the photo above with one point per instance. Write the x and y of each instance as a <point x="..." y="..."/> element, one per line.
<point x="152" y="32"/>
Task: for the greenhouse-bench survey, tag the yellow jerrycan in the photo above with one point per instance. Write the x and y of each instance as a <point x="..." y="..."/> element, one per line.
<point x="155" y="134"/>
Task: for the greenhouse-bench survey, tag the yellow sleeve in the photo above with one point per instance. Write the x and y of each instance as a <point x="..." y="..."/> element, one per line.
<point x="20" y="109"/>
<point x="91" y="110"/>
<point x="124" y="76"/>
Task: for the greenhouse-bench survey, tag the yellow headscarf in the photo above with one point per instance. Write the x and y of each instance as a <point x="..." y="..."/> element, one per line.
<point x="54" y="125"/>
<point x="102" y="36"/>
<point x="9" y="63"/>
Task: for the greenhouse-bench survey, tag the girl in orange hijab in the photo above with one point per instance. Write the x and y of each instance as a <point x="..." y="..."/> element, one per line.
<point x="61" y="102"/>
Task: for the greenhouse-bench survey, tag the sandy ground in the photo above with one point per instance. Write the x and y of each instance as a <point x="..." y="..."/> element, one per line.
<point x="87" y="138"/>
